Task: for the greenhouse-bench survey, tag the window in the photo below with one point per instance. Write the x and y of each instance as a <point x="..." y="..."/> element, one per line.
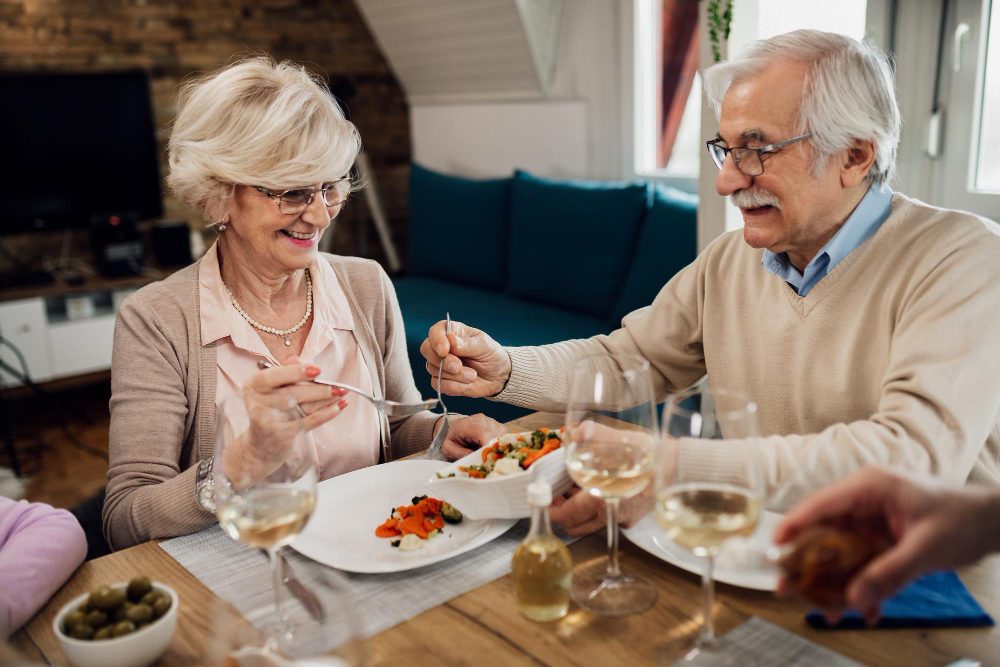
<point x="988" y="149"/>
<point x="669" y="140"/>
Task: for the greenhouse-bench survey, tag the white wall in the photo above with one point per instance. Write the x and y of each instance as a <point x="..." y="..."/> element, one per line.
<point x="574" y="132"/>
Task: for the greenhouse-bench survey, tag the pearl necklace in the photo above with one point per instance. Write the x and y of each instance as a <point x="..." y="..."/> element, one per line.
<point x="284" y="333"/>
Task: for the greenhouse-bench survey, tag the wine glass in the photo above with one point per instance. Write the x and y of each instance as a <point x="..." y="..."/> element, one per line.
<point x="611" y="453"/>
<point x="264" y="478"/>
<point x="709" y="485"/>
<point x="330" y="638"/>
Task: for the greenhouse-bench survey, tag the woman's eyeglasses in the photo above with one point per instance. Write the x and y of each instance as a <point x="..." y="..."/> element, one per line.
<point x="296" y="200"/>
<point x="748" y="160"/>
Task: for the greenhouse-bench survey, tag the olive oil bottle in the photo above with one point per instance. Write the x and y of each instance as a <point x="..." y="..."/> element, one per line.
<point x="542" y="567"/>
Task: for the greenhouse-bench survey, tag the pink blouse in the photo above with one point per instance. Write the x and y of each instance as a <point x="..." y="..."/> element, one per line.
<point x="346" y="443"/>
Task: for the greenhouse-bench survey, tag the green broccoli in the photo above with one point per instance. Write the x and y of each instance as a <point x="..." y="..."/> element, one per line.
<point x="450" y="514"/>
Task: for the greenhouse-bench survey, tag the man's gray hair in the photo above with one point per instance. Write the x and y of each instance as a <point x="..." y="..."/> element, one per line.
<point x="849" y="92"/>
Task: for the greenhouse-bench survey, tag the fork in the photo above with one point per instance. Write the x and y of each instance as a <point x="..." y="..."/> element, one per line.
<point x="438" y="441"/>
<point x="385" y="406"/>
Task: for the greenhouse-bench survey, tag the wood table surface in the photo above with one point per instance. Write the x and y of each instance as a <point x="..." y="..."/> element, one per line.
<point x="483" y="626"/>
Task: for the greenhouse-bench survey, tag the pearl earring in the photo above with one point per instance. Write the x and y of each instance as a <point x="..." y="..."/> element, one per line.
<point x="221" y="226"/>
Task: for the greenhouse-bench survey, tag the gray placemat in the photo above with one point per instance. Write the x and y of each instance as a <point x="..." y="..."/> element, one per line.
<point x="757" y="642"/>
<point x="241" y="575"/>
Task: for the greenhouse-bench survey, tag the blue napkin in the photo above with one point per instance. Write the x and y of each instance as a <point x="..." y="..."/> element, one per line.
<point x="938" y="600"/>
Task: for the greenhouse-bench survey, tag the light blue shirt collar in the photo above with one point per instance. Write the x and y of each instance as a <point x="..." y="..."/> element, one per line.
<point x="862" y="224"/>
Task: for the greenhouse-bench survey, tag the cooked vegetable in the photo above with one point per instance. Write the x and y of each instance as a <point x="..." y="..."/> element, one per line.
<point x="450" y="514"/>
<point x="497" y="459"/>
<point x="418" y="521"/>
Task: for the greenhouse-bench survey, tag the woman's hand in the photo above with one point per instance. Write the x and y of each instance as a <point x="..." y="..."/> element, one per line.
<point x="262" y="448"/>
<point x="474" y="364"/>
<point x="932" y="524"/>
<point x="467" y="434"/>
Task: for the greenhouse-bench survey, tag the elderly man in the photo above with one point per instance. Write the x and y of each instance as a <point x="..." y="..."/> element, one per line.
<point x="865" y="324"/>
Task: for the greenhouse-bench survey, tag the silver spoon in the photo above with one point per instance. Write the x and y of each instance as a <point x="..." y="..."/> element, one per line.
<point x="385" y="406"/>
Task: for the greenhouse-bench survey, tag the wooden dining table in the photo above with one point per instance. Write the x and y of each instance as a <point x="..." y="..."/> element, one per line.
<point x="483" y="626"/>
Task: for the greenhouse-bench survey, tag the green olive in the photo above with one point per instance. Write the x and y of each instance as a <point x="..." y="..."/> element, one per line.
<point x="104" y="633"/>
<point x="123" y="628"/>
<point x="139" y="613"/>
<point x="73" y="619"/>
<point x="105" y="598"/>
<point x="138" y="587"/>
<point x="121" y="612"/>
<point x="97" y="619"/>
<point x="82" y="631"/>
<point x="150" y="597"/>
<point x="161" y="606"/>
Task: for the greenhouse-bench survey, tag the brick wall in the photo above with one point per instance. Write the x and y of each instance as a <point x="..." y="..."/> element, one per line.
<point x="174" y="38"/>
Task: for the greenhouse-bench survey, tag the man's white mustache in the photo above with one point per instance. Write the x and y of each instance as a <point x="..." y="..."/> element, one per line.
<point x="753" y="199"/>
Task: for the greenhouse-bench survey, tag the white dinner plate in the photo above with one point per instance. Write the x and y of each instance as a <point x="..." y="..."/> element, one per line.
<point x="341" y="532"/>
<point x="648" y="536"/>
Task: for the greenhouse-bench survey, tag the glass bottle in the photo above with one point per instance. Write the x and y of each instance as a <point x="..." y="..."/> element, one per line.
<point x="542" y="567"/>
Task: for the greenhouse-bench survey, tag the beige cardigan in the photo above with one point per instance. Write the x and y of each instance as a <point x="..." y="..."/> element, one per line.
<point x="892" y="358"/>
<point x="163" y="397"/>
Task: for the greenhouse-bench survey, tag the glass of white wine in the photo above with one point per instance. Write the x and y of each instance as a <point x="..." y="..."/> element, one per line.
<point x="264" y="477"/>
<point x="611" y="454"/>
<point x="709" y="486"/>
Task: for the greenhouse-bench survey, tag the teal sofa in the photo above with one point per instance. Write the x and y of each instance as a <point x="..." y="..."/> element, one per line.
<point x="533" y="261"/>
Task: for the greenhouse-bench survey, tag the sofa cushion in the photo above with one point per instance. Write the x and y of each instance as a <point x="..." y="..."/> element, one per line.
<point x="571" y="241"/>
<point x="668" y="241"/>
<point x="510" y="321"/>
<point x="451" y="217"/>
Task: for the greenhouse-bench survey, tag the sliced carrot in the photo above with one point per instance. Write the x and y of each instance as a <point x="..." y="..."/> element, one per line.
<point x="413" y="525"/>
<point x="388" y="529"/>
<point x="438" y="521"/>
<point x="434" y="505"/>
<point x="476" y="474"/>
<point x="544" y="430"/>
<point x="549" y="446"/>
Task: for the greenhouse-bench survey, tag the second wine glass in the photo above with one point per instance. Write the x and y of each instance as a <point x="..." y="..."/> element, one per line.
<point x="709" y="488"/>
<point x="264" y="484"/>
<point x="611" y="452"/>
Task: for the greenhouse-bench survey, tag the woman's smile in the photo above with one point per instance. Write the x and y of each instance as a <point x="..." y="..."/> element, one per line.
<point x="302" y="239"/>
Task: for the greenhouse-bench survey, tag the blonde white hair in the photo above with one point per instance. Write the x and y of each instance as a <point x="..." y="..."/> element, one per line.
<point x="849" y="93"/>
<point x="256" y="122"/>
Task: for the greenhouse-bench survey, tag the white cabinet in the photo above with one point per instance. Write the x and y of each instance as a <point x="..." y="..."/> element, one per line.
<point x="24" y="324"/>
<point x="58" y="340"/>
<point x="81" y="346"/>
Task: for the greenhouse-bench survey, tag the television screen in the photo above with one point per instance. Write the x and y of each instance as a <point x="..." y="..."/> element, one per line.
<point x="75" y="145"/>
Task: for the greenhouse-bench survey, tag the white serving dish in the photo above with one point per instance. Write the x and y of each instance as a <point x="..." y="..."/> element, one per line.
<point x="503" y="497"/>
<point x="138" y="649"/>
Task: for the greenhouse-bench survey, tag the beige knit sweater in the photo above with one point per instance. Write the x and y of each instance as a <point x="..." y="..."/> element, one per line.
<point x="893" y="358"/>
<point x="163" y="397"/>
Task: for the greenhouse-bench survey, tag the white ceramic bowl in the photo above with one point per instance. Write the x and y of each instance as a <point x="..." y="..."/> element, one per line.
<point x="502" y="497"/>
<point x="137" y="649"/>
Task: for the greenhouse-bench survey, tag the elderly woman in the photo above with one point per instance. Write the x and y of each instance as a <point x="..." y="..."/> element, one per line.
<point x="263" y="152"/>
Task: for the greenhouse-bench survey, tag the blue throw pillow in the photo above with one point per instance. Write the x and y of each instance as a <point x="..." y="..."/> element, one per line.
<point x="667" y="243"/>
<point x="571" y="241"/>
<point x="458" y="228"/>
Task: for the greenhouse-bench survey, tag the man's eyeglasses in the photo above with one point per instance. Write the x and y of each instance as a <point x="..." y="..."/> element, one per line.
<point x="748" y="160"/>
<point x="296" y="200"/>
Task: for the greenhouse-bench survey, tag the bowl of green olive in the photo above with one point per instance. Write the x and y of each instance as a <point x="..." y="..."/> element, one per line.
<point x="128" y="624"/>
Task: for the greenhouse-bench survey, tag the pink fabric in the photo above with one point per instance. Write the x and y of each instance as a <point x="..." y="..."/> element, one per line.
<point x="346" y="443"/>
<point x="40" y="547"/>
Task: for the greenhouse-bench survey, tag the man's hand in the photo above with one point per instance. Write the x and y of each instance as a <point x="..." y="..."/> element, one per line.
<point x="932" y="524"/>
<point x="467" y="434"/>
<point x="474" y="364"/>
<point x="580" y="513"/>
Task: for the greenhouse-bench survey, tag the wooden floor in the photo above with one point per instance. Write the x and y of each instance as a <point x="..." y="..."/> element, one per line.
<point x="58" y="472"/>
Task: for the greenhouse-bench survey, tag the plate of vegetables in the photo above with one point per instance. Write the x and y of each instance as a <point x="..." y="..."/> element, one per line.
<point x="492" y="483"/>
<point x="384" y="519"/>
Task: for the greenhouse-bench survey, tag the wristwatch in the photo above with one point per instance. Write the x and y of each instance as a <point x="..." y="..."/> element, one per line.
<point x="203" y="486"/>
